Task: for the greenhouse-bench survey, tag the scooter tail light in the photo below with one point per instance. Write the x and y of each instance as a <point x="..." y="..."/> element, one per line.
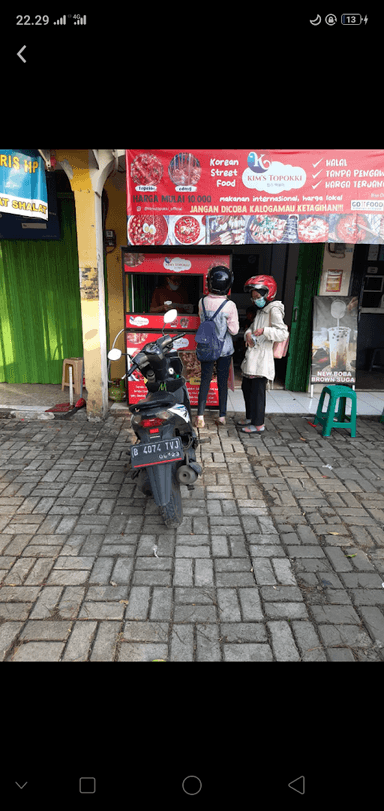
<point x="152" y="422"/>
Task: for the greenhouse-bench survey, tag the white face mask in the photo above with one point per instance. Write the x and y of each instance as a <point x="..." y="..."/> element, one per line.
<point x="173" y="286"/>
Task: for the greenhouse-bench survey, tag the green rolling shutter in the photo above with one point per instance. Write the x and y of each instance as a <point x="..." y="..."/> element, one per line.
<point x="40" y="314"/>
<point x="309" y="270"/>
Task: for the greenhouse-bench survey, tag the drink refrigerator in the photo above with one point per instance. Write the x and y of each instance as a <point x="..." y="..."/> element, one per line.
<point x="143" y="271"/>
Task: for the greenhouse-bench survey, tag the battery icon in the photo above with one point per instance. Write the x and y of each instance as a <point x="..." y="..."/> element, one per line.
<point x="353" y="19"/>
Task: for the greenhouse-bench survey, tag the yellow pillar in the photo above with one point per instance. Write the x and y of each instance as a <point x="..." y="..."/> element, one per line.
<point x="76" y="163"/>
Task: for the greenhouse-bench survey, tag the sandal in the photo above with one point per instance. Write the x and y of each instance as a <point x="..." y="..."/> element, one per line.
<point x="221" y="421"/>
<point x="199" y="422"/>
<point x="251" y="429"/>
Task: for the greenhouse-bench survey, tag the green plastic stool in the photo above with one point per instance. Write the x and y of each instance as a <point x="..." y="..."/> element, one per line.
<point x="327" y="418"/>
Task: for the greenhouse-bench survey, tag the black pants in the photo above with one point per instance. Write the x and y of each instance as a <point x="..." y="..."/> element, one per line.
<point x="254" y="391"/>
<point x="222" y="365"/>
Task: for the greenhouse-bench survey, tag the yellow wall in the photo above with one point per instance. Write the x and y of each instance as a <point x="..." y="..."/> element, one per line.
<point x="86" y="178"/>
<point x="115" y="188"/>
<point x="93" y="349"/>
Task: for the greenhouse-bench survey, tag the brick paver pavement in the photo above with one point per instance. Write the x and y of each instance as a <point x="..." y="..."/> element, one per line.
<point x="278" y="558"/>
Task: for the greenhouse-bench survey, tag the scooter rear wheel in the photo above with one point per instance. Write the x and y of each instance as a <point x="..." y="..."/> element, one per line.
<point x="173" y="511"/>
<point x="143" y="482"/>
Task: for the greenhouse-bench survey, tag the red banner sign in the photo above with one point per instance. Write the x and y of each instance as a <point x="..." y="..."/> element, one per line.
<point x="185" y="264"/>
<point x="240" y="196"/>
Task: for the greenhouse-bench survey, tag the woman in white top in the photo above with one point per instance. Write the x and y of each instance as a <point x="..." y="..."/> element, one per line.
<point x="258" y="365"/>
<point x="219" y="280"/>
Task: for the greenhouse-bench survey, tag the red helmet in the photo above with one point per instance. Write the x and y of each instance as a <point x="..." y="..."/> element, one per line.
<point x="262" y="284"/>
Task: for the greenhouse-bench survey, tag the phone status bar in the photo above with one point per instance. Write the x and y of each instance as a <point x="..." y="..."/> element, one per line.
<point x="27" y="20"/>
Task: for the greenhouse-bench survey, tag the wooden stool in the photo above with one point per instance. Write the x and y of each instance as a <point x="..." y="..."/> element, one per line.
<point x="327" y="418"/>
<point x="77" y="374"/>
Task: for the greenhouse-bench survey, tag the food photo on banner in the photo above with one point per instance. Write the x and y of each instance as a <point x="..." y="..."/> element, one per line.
<point x="23" y="187"/>
<point x="334" y="340"/>
<point x="246" y="197"/>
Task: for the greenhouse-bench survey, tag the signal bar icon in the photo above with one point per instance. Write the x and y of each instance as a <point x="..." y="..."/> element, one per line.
<point x="80" y="20"/>
<point x="61" y="21"/>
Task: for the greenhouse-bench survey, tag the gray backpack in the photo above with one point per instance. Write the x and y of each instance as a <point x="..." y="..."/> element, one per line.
<point x="209" y="346"/>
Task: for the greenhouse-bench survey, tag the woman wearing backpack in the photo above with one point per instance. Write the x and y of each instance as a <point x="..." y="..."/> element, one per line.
<point x="258" y="365"/>
<point x="220" y="280"/>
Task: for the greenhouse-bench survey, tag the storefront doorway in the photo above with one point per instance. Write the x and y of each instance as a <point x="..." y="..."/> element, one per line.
<point x="296" y="269"/>
<point x="248" y="261"/>
<point x="367" y="284"/>
<point x="39" y="297"/>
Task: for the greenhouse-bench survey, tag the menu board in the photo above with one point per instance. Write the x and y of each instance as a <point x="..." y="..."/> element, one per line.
<point x="334" y="340"/>
<point x="244" y="197"/>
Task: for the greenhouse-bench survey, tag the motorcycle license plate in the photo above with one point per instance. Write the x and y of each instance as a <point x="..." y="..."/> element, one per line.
<point x="156" y="453"/>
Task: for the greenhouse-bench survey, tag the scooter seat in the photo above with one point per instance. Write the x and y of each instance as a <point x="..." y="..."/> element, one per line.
<point x="158" y="399"/>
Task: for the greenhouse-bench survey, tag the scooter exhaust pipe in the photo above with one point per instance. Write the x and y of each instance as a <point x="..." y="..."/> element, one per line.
<point x="185" y="475"/>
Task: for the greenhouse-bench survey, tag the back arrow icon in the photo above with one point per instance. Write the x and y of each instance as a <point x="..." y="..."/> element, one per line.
<point x="298" y="785"/>
<point x="24" y="784"/>
<point x="20" y="52"/>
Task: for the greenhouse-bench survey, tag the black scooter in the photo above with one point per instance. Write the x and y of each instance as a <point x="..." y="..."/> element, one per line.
<point x="164" y="456"/>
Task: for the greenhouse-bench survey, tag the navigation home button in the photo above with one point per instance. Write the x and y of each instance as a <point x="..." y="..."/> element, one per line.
<point x="298" y="785"/>
<point x="192" y="785"/>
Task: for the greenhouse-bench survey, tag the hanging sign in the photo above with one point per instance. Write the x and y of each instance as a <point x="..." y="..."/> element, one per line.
<point x="244" y="197"/>
<point x="23" y="188"/>
<point x="193" y="264"/>
<point x="334" y="340"/>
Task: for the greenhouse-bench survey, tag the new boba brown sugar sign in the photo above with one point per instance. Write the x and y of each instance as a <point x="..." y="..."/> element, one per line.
<point x="334" y="340"/>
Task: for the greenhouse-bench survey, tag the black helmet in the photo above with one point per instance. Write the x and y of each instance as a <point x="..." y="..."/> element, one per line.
<point x="220" y="279"/>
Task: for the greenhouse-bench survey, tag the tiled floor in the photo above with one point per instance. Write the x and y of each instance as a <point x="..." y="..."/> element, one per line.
<point x="33" y="397"/>
<point x="40" y="397"/>
<point x="289" y="402"/>
<point x="18" y="395"/>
